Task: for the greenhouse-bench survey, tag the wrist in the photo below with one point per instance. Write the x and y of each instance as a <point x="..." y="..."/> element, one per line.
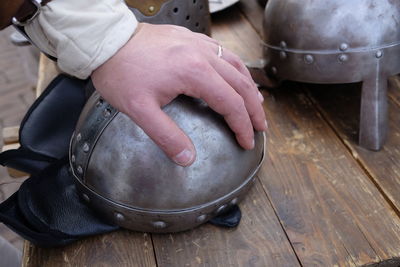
<point x="82" y="35"/>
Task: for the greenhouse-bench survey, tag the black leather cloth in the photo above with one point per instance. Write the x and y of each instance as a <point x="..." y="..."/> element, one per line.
<point x="46" y="210"/>
<point x="48" y="125"/>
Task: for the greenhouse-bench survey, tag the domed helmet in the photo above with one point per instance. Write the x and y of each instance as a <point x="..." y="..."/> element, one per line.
<point x="192" y="14"/>
<point x="337" y="42"/>
<point x="123" y="175"/>
<point x="218" y="5"/>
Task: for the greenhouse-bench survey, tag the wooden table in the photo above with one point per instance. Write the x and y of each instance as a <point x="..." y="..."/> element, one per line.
<point x="320" y="200"/>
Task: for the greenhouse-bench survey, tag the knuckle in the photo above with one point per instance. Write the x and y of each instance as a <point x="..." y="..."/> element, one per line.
<point x="135" y="107"/>
<point x="237" y="62"/>
<point x="245" y="83"/>
<point x="219" y="99"/>
<point x="197" y="64"/>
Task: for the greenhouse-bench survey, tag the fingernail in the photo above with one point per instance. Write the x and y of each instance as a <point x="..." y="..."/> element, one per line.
<point x="260" y="96"/>
<point x="252" y="144"/>
<point x="266" y="124"/>
<point x="184" y="157"/>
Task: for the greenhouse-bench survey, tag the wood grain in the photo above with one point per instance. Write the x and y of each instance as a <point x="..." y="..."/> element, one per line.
<point x="235" y="33"/>
<point x="340" y="105"/>
<point x="258" y="241"/>
<point x="254" y="13"/>
<point x="120" y="248"/>
<point x="330" y="209"/>
<point x="48" y="70"/>
<point x="10" y="135"/>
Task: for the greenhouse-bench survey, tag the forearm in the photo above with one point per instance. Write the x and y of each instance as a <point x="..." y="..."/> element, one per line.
<point x="82" y="35"/>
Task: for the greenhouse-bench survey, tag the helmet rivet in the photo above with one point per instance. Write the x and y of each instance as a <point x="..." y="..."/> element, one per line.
<point x="283" y="55"/>
<point x="344" y="46"/>
<point x="86" y="147"/>
<point x="274" y="70"/>
<point x="119" y="217"/>
<point x="85" y="198"/>
<point x="99" y="103"/>
<point x="107" y="112"/>
<point x="343" y="58"/>
<point x="78" y="137"/>
<point x="379" y="54"/>
<point x="234" y="201"/>
<point x="151" y="9"/>
<point x="221" y="209"/>
<point x="159" y="225"/>
<point x="73" y="159"/>
<point x="283" y="44"/>
<point x="309" y="59"/>
<point x="201" y="218"/>
<point x="79" y="169"/>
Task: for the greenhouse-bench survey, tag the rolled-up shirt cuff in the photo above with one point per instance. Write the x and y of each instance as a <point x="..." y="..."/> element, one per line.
<point x="82" y="35"/>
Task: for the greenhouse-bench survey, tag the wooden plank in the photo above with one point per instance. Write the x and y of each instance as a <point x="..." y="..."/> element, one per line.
<point x="341" y="106"/>
<point x="234" y="32"/>
<point x="120" y="248"/>
<point x="330" y="209"/>
<point x="13" y="172"/>
<point x="10" y="135"/>
<point x="258" y="241"/>
<point x="394" y="89"/>
<point x="254" y="13"/>
<point x="48" y="70"/>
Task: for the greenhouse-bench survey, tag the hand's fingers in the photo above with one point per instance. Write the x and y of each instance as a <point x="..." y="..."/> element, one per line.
<point x="222" y="98"/>
<point x="164" y="132"/>
<point x="238" y="64"/>
<point x="245" y="88"/>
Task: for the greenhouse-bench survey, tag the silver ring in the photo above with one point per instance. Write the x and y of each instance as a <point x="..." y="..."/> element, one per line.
<point x="220" y="51"/>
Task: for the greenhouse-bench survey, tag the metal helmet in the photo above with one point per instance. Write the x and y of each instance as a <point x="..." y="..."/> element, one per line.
<point x="192" y="14"/>
<point x="218" y="5"/>
<point x="123" y="175"/>
<point x="337" y="42"/>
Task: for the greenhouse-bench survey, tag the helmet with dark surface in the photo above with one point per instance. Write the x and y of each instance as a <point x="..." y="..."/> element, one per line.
<point x="127" y="179"/>
<point x="337" y="42"/>
<point x="192" y="14"/>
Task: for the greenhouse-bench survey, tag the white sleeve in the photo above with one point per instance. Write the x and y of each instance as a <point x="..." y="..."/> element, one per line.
<point x="82" y="34"/>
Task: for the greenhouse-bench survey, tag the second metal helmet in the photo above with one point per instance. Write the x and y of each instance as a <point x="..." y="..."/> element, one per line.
<point x="338" y="42"/>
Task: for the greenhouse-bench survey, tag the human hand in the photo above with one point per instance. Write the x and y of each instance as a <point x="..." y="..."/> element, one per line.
<point x="161" y="62"/>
